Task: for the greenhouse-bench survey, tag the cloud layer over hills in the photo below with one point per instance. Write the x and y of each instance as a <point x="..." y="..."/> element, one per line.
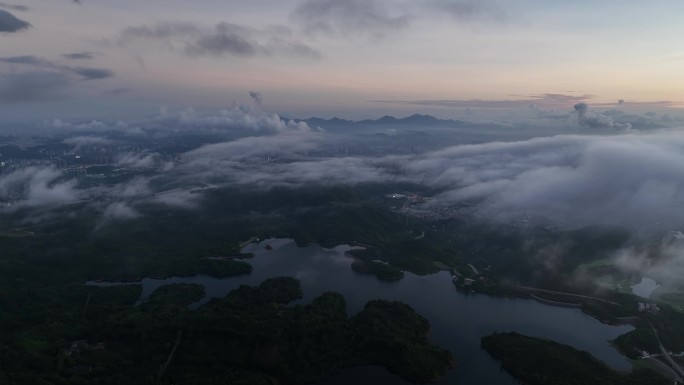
<point x="625" y="177"/>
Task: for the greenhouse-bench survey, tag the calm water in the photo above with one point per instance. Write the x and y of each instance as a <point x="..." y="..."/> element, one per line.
<point x="458" y="321"/>
<point x="645" y="288"/>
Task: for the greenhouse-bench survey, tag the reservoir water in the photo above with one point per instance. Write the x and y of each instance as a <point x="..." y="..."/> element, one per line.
<point x="458" y="321"/>
<point x="645" y="288"/>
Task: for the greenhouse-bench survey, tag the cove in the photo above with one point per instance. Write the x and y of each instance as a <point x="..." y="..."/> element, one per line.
<point x="458" y="320"/>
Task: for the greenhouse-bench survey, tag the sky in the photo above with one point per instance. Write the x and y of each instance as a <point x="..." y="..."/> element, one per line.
<point x="579" y="103"/>
<point x="349" y="58"/>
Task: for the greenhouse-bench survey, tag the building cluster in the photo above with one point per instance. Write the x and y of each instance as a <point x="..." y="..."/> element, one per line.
<point x="648" y="308"/>
<point x="436" y="212"/>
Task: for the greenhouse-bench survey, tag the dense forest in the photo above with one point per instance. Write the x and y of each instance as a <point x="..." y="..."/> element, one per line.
<point x="48" y="256"/>
<point x="249" y="337"/>
<point x="534" y="361"/>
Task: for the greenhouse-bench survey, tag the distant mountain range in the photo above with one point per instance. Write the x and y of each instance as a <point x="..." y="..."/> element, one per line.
<point x="413" y="120"/>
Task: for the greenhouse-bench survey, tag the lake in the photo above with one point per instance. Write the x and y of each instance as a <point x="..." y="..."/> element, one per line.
<point x="645" y="288"/>
<point x="458" y="320"/>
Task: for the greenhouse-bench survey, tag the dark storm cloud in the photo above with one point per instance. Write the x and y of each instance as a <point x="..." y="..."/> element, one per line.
<point x="348" y="17"/>
<point x="10" y="23"/>
<point x="32" y="86"/>
<point x="14" y="7"/>
<point x="223" y="39"/>
<point x="80" y="55"/>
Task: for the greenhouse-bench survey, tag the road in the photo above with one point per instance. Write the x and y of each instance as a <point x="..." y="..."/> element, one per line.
<point x="666" y="354"/>
<point x="244" y="244"/>
<point x="672" y="373"/>
<point x="162" y="369"/>
<point x="569" y="295"/>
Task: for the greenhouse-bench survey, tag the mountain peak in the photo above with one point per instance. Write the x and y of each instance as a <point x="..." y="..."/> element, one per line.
<point x="415" y="119"/>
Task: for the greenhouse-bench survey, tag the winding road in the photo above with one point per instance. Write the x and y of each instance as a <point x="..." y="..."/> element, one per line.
<point x="569" y="295"/>
<point x="668" y="357"/>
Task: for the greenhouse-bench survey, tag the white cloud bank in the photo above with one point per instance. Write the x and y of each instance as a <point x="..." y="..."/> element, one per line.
<point x="633" y="179"/>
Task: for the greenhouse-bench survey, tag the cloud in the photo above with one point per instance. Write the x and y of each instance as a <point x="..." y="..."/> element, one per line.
<point x="549" y="100"/>
<point x="79" y="55"/>
<point x="378" y="19"/>
<point x="93" y="125"/>
<point x="27" y="59"/>
<point x="44" y="81"/>
<point x="80" y="141"/>
<point x="668" y="266"/>
<point x="32" y="86"/>
<point x="84" y="73"/>
<point x="21" y="8"/>
<point x="254" y="146"/>
<point x="120" y="210"/>
<point x="118" y="91"/>
<point x="139" y="160"/>
<point x="182" y="198"/>
<point x="135" y="188"/>
<point x="92" y="73"/>
<point x="237" y="119"/>
<point x="280" y="160"/>
<point x="348" y="18"/>
<point x="38" y="186"/>
<point x="464" y="10"/>
<point x="587" y="118"/>
<point x="256" y="97"/>
<point x="10" y="23"/>
<point x="629" y="179"/>
<point x="632" y="179"/>
<point x="223" y="39"/>
<point x="333" y="171"/>
<point x="264" y="141"/>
